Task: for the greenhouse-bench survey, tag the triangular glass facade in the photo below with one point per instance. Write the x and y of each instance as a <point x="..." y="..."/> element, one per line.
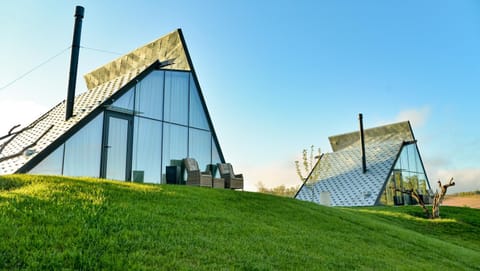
<point x="153" y="125"/>
<point x="407" y="173"/>
<point x="143" y="112"/>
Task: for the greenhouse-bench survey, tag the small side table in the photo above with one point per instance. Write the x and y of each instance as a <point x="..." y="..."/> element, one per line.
<point x="172" y="174"/>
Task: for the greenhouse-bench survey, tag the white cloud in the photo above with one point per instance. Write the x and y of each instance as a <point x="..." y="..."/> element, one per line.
<point x="416" y="116"/>
<point x="15" y="112"/>
<point x="467" y="179"/>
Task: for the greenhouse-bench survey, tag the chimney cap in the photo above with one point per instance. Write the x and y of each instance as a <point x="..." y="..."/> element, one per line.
<point x="79" y="11"/>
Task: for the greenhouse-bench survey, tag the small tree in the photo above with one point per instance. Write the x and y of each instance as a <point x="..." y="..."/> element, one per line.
<point x="308" y="164"/>
<point x="437" y="198"/>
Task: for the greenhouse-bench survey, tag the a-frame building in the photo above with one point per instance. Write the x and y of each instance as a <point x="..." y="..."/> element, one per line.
<point x="142" y="113"/>
<point x="392" y="162"/>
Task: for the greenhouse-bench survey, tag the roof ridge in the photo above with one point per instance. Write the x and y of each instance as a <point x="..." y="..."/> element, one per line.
<point x="168" y="47"/>
<point x="400" y="131"/>
<point x="373" y="128"/>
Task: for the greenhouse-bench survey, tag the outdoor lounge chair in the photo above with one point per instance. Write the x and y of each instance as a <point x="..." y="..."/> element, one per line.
<point x="232" y="180"/>
<point x="194" y="176"/>
<point x="218" y="182"/>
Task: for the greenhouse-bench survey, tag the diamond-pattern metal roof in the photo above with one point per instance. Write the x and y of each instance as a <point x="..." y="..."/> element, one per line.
<point x="341" y="174"/>
<point x="168" y="47"/>
<point x="102" y="84"/>
<point x="400" y="131"/>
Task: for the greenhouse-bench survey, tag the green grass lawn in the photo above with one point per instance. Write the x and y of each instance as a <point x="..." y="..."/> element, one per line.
<point x="89" y="224"/>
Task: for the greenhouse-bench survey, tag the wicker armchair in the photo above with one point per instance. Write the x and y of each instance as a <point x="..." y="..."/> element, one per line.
<point x="194" y="176"/>
<point x="218" y="182"/>
<point x="232" y="180"/>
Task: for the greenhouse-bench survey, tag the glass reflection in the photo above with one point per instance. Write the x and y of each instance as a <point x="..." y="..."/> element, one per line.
<point x="147" y="150"/>
<point x="50" y="165"/>
<point x="200" y="147"/>
<point x="176" y="97"/>
<point x="215" y="158"/>
<point x="198" y="118"/>
<point x="117" y="149"/>
<point x="215" y="153"/>
<point x="149" y="99"/>
<point x="125" y="101"/>
<point x="82" y="150"/>
<point x="175" y="140"/>
<point x="408" y="173"/>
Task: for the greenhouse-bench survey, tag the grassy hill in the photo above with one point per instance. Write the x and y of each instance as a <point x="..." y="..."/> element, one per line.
<point x="90" y="224"/>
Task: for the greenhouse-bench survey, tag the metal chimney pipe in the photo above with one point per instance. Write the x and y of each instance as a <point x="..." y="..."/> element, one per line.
<point x="362" y="142"/>
<point x="72" y="79"/>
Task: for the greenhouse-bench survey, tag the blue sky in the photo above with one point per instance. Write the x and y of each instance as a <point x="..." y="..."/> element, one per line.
<point x="278" y="76"/>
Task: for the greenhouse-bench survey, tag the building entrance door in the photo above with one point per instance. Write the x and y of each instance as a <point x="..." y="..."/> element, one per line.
<point x="117" y="146"/>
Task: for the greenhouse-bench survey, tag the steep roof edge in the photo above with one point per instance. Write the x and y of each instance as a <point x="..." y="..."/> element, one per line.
<point x="204" y="104"/>
<point x="81" y="119"/>
<point x="169" y="47"/>
<point x="401" y="131"/>
<point x="309" y="174"/>
<point x="411" y="131"/>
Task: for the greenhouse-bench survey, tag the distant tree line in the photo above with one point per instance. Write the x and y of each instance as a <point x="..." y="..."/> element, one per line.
<point x="462" y="194"/>
<point x="280" y="190"/>
<point x="304" y="169"/>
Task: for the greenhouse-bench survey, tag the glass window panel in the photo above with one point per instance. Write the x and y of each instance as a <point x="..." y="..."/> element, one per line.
<point x="409" y="169"/>
<point x="175" y="140"/>
<point x="415" y="160"/>
<point x="215" y="157"/>
<point x="398" y="163"/>
<point x="125" y="101"/>
<point x="418" y="163"/>
<point x="149" y="99"/>
<point x="82" y="150"/>
<point x="422" y="184"/>
<point x="404" y="159"/>
<point x="50" y="165"/>
<point x="411" y="158"/>
<point x="176" y="97"/>
<point x="388" y="194"/>
<point x="117" y="148"/>
<point x="147" y="150"/>
<point x="408" y="180"/>
<point x="200" y="147"/>
<point x="215" y="153"/>
<point x="198" y="118"/>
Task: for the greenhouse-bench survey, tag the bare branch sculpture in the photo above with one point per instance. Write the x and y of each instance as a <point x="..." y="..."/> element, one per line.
<point x="10" y="132"/>
<point x="26" y="147"/>
<point x="437" y="198"/>
<point x="13" y="134"/>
